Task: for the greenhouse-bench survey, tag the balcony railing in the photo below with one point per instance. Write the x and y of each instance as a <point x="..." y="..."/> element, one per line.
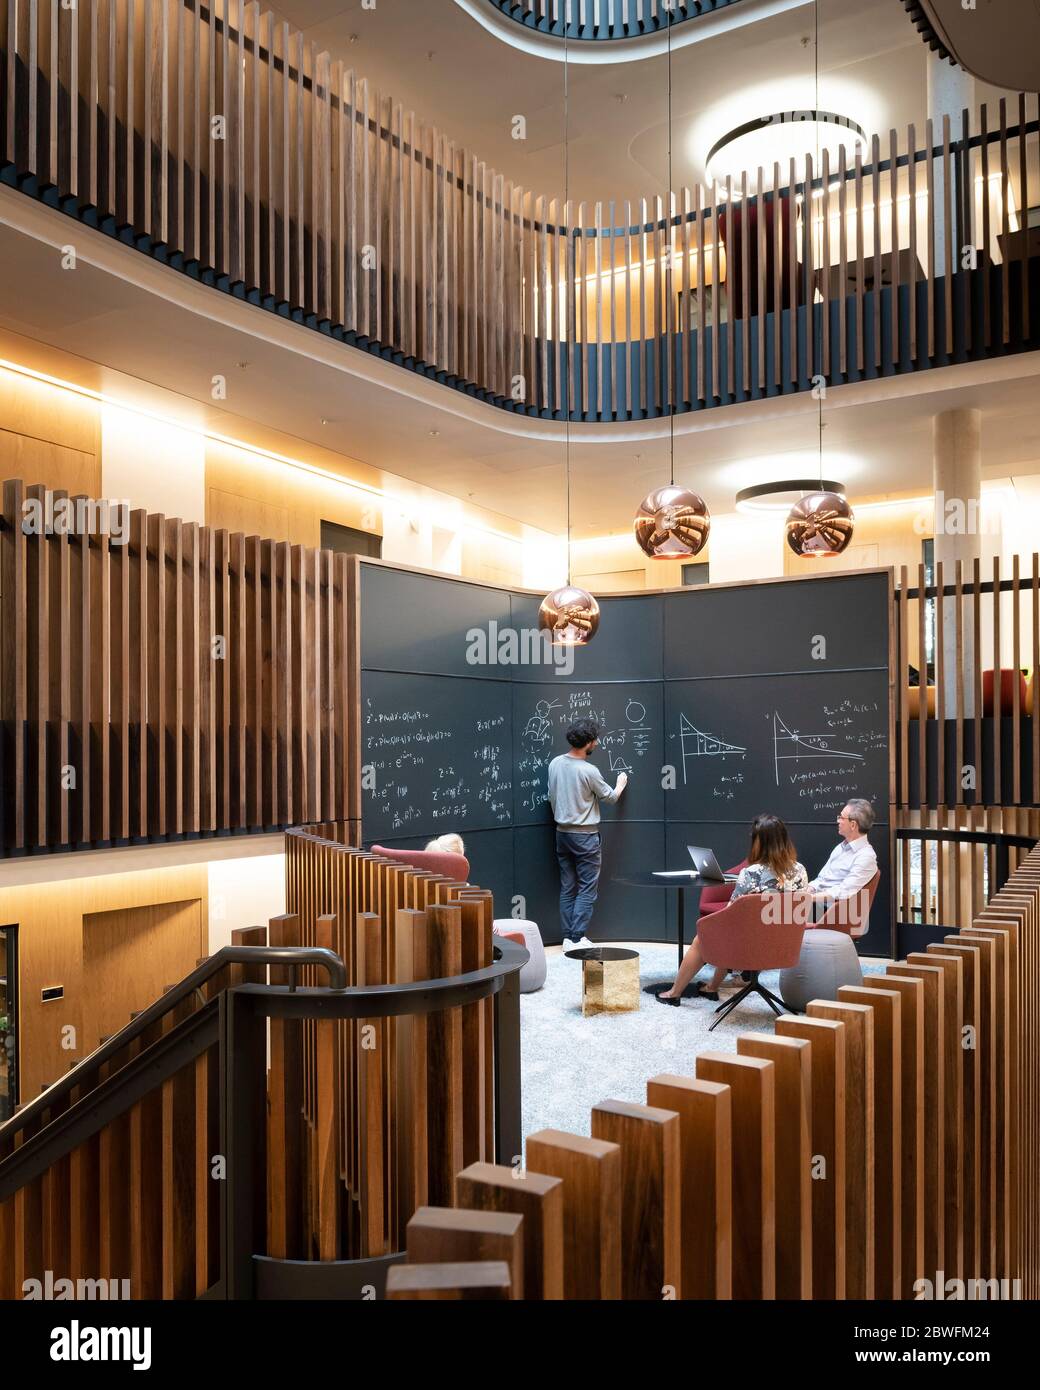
<point x="604" y="19"/>
<point x="221" y="142"/>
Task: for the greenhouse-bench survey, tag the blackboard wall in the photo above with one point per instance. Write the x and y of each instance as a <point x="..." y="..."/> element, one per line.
<point x="719" y="702"/>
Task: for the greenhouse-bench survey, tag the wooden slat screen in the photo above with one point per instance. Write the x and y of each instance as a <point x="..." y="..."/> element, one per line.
<point x="239" y="153"/>
<point x="161" y="679"/>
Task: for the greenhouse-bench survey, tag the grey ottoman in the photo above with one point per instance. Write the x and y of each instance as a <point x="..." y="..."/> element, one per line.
<point x="532" y="975"/>
<point x="827" y="961"/>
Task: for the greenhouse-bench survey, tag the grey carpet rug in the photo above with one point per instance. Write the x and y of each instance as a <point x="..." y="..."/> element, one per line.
<point x="570" y="1063"/>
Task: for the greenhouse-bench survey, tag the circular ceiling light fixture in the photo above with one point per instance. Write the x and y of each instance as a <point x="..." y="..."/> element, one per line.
<point x="781" y="137"/>
<point x="781" y="496"/>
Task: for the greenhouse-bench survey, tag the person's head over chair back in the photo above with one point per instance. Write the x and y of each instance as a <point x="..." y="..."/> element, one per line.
<point x="448" y="844"/>
<point x="856" y="819"/>
<point x="771" y="845"/>
<point x="583" y="737"/>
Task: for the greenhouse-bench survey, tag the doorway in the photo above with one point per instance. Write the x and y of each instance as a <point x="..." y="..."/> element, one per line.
<point x="8" y="1021"/>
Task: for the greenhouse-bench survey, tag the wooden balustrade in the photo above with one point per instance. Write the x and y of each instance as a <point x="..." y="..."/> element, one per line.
<point x="365" y="1121"/>
<point x="901" y="1122"/>
<point x="227" y="144"/>
<point x="377" y="1117"/>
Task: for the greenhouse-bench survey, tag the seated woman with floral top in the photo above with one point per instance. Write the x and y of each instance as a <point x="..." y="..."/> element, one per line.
<point x="772" y="867"/>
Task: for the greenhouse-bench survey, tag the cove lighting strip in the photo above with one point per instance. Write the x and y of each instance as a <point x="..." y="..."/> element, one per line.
<point x="88" y="393"/>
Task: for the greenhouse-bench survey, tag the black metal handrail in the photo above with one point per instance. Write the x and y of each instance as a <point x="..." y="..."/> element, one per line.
<point x="1000" y="841"/>
<point x="192" y="1036"/>
<point x="289" y="956"/>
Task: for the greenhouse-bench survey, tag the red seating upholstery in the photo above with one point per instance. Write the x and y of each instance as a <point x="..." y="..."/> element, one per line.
<point x="714" y="899"/>
<point x="1006" y="697"/>
<point x="743" y="936"/>
<point x="434" y="861"/>
<point x="747" y="936"/>
<point x="851" y="915"/>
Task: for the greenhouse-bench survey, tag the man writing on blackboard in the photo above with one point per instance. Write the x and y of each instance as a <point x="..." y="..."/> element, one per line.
<point x="576" y="788"/>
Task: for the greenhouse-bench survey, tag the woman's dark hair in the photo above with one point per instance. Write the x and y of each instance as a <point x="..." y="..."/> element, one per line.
<point x="772" y="845"/>
<point x="583" y="733"/>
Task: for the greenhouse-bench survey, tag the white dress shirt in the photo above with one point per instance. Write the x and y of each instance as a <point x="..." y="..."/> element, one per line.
<point x="851" y="866"/>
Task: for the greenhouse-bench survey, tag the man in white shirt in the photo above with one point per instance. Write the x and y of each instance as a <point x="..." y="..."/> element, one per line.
<point x="853" y="862"/>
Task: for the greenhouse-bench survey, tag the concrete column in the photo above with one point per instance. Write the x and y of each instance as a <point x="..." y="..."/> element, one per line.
<point x="950" y="90"/>
<point x="957" y="481"/>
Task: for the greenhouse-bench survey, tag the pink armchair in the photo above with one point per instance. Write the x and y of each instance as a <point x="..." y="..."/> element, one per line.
<point x="746" y="936"/>
<point x="434" y="861"/>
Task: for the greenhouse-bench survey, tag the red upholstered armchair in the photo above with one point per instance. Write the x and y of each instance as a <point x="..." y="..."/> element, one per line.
<point x="715" y="898"/>
<point x="434" y="861"/>
<point x="851" y="915"/>
<point x="747" y="936"/>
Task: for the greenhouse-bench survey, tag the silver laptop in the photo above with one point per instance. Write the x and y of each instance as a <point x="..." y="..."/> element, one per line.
<point x="707" y="865"/>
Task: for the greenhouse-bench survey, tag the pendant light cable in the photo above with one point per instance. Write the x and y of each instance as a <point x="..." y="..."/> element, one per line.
<point x="573" y="279"/>
<point x="670" y="324"/>
<point x="826" y="269"/>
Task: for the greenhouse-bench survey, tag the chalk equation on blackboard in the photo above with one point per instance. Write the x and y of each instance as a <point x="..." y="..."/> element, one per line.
<point x="694" y="743"/>
<point x="799" y="746"/>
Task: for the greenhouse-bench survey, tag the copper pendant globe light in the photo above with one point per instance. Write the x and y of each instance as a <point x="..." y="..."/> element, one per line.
<point x="820" y="525"/>
<point x="569" y="614"/>
<point x="672" y="523"/>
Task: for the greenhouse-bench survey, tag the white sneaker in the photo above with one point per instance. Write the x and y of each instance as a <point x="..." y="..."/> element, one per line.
<point x="582" y="944"/>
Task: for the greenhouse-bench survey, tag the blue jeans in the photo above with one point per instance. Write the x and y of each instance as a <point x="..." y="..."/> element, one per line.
<point x="580" y="856"/>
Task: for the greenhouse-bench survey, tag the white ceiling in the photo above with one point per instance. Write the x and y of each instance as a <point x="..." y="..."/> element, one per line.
<point x="438" y="61"/>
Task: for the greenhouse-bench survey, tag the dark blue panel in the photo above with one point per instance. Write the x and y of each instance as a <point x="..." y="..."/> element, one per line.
<point x="795" y="745"/>
<point x="412" y="622"/>
<point x="440" y="754"/>
<point x="765" y="628"/>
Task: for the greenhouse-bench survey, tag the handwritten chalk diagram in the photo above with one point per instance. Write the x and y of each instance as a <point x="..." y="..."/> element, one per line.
<point x="430" y="769"/>
<point x="792" y="745"/>
<point x="624" y="741"/>
<point x="539" y="726"/>
<point x="694" y="743"/>
<point x="635" y="717"/>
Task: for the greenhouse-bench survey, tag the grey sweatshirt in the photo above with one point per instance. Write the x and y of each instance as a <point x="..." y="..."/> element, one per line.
<point x="576" y="787"/>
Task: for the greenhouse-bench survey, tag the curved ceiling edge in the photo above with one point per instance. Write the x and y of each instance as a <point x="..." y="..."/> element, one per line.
<point x="591" y="52"/>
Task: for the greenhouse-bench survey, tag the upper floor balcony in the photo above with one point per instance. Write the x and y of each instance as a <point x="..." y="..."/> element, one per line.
<point x="602" y="19"/>
<point x="223" y="143"/>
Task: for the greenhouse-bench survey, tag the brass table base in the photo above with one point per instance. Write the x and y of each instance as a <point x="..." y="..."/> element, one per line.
<point x="610" y="986"/>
